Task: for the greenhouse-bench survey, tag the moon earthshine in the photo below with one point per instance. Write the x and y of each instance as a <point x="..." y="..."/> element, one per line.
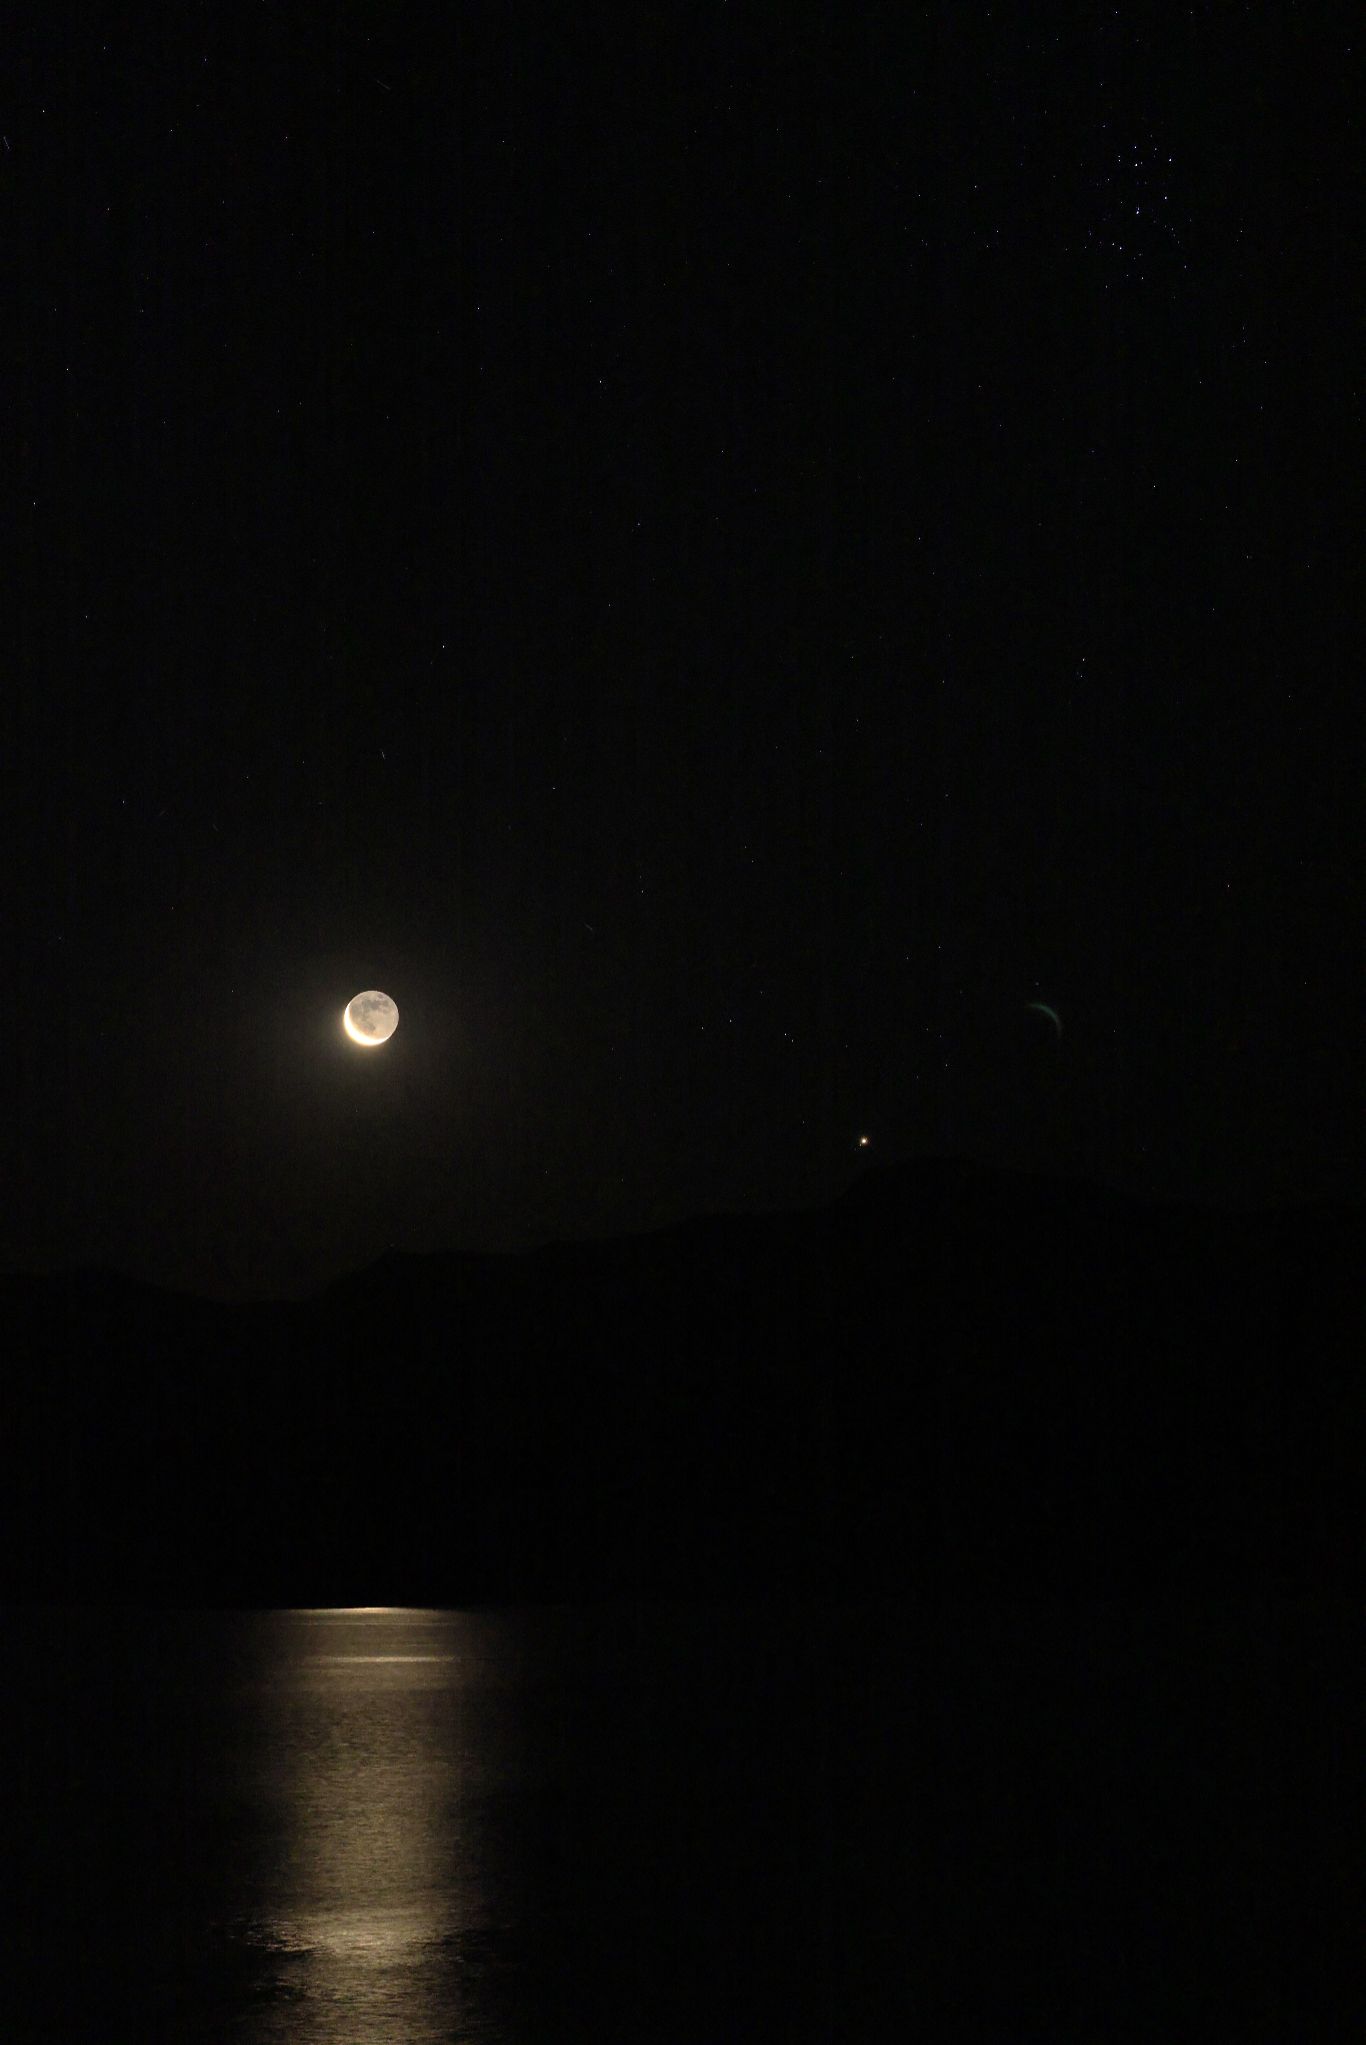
<point x="370" y="1018"/>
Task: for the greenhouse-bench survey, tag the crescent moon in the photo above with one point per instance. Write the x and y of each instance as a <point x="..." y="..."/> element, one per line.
<point x="1042" y="1008"/>
<point x="370" y="1019"/>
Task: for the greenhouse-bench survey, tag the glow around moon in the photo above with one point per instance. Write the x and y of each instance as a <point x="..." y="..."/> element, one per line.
<point x="370" y="1019"/>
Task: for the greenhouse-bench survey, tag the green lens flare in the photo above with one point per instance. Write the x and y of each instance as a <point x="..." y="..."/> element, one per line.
<point x="1042" y="1008"/>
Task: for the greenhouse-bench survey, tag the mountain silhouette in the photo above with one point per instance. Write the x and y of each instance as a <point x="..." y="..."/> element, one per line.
<point x="949" y="1381"/>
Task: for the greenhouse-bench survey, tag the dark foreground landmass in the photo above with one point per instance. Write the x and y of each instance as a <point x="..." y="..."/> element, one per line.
<point x="952" y="1381"/>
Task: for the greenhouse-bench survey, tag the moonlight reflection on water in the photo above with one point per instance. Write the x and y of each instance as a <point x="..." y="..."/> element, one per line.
<point x="375" y="1752"/>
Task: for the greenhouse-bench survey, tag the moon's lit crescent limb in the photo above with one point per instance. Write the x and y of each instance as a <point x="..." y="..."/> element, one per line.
<point x="370" y="1019"/>
<point x="1042" y="1008"/>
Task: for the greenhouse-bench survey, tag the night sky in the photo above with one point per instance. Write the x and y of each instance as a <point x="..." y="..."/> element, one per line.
<point x="715" y="559"/>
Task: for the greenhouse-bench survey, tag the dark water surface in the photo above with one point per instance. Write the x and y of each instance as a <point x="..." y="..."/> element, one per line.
<point x="402" y="1825"/>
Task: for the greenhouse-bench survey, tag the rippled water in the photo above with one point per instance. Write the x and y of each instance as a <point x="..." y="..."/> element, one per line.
<point x="296" y="1825"/>
<point x="386" y="1827"/>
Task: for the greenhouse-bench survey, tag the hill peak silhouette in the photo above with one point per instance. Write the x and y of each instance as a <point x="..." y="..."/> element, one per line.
<point x="949" y="1379"/>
